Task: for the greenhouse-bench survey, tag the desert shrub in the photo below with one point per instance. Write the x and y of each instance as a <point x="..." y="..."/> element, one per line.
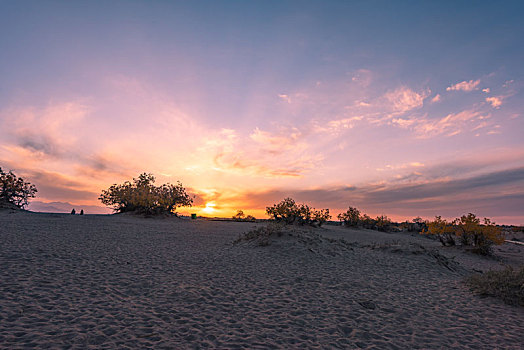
<point x="289" y="212"/>
<point x="321" y="216"/>
<point x="417" y="225"/>
<point x="517" y="229"/>
<point x="143" y="197"/>
<point x="383" y="223"/>
<point x="469" y="231"/>
<point x="367" y="222"/>
<point x="482" y="237"/>
<point x="250" y="218"/>
<point x="443" y="229"/>
<point x="507" y="284"/>
<point x="286" y="211"/>
<point x="14" y="190"/>
<point x="466" y="226"/>
<point x="350" y="218"/>
<point x="240" y="216"/>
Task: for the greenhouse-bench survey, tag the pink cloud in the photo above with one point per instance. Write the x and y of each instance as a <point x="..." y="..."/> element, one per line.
<point x="285" y="97"/>
<point x="346" y="123"/>
<point x="436" y="98"/>
<point x="404" y="99"/>
<point x="450" y="125"/>
<point x="403" y="123"/>
<point x="363" y="77"/>
<point x="495" y="101"/>
<point x="465" y="86"/>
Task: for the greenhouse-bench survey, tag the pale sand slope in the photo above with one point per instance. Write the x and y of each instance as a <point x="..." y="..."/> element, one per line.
<point x="125" y="282"/>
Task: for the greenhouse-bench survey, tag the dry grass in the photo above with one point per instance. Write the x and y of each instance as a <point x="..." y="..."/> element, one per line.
<point x="507" y="284"/>
<point x="261" y="235"/>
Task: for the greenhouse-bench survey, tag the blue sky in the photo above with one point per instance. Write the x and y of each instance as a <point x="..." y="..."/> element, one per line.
<point x="250" y="101"/>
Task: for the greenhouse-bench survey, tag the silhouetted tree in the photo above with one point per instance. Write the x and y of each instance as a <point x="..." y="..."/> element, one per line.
<point x="239" y="216"/>
<point x="15" y="190"/>
<point x="143" y="197"/>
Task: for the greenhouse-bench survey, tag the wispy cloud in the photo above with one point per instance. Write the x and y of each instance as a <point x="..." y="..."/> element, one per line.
<point x="262" y="153"/>
<point x="363" y="77"/>
<point x="47" y="132"/>
<point x="404" y="99"/>
<point x="285" y="97"/>
<point x="450" y="125"/>
<point x="464" y="86"/>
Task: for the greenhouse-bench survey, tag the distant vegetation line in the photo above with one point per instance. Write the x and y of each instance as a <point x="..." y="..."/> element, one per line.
<point x="142" y="196"/>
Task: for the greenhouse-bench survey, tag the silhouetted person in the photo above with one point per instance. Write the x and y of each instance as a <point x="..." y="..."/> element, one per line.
<point x="73" y="212"/>
<point x="82" y="212"/>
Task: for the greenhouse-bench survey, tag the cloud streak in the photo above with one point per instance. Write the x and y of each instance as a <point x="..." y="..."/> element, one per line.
<point x="464" y="86"/>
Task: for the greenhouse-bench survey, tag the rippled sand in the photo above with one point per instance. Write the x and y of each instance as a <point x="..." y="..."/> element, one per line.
<point x="126" y="282"/>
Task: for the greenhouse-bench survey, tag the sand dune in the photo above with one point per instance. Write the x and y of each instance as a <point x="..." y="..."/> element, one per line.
<point x="125" y="282"/>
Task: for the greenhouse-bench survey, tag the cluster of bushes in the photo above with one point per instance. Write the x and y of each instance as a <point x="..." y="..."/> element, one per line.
<point x="468" y="231"/>
<point x="289" y="212"/>
<point x="516" y="229"/>
<point x="240" y="216"/>
<point x="142" y="197"/>
<point x="353" y="218"/>
<point x="416" y="225"/>
<point x="14" y="191"/>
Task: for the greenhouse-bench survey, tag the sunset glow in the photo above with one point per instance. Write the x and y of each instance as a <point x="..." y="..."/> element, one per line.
<point x="411" y="109"/>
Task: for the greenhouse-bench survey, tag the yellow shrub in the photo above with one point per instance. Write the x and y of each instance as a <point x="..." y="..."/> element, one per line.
<point x="443" y="229"/>
<point x="468" y="230"/>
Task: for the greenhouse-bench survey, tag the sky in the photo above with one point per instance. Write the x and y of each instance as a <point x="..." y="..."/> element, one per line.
<point x="404" y="109"/>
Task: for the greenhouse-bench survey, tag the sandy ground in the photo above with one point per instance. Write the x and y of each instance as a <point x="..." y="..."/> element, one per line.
<point x="125" y="282"/>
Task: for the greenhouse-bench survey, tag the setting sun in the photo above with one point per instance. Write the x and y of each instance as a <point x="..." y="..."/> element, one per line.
<point x="209" y="208"/>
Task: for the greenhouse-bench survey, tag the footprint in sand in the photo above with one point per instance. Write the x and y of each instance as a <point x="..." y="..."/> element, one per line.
<point x="368" y="304"/>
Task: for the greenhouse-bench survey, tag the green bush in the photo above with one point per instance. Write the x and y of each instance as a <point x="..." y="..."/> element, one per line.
<point x="14" y="190"/>
<point x="289" y="212"/>
<point x="142" y="197"/>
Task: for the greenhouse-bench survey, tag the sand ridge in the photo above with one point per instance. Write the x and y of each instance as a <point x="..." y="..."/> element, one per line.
<point x="126" y="282"/>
